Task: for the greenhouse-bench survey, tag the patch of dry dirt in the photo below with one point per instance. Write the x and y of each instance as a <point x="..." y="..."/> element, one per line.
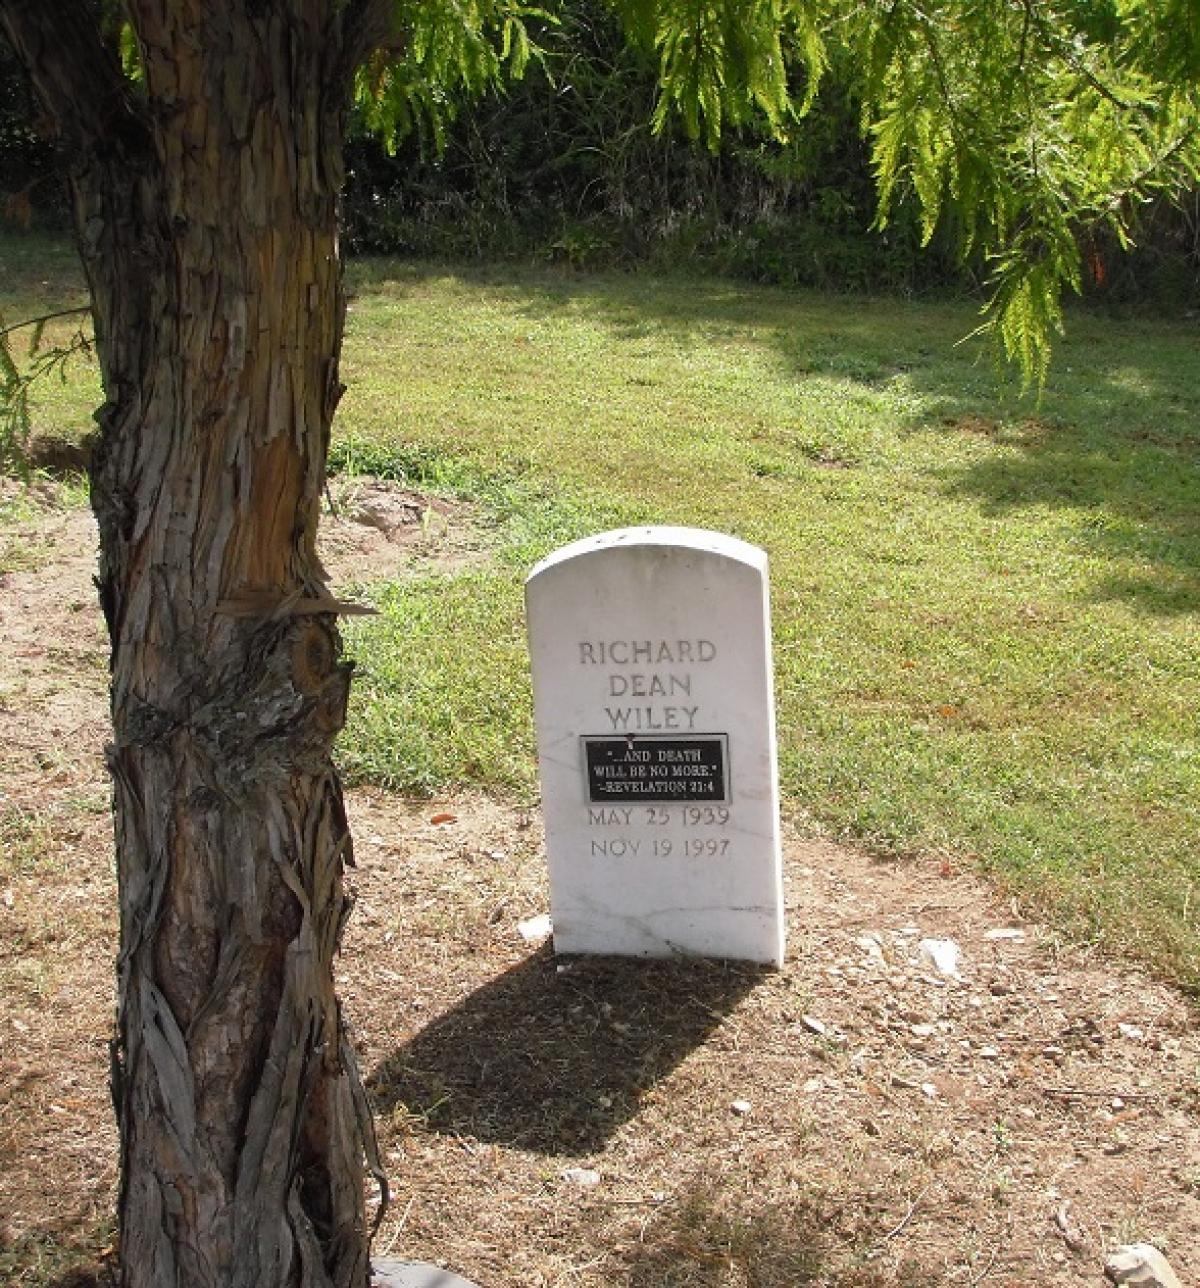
<point x="377" y="530"/>
<point x="856" y="1119"/>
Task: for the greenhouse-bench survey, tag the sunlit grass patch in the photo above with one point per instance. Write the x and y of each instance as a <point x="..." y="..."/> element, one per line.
<point x="985" y="609"/>
<point x="441" y="693"/>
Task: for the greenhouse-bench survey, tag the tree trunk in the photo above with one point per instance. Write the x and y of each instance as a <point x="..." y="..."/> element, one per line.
<point x="207" y="212"/>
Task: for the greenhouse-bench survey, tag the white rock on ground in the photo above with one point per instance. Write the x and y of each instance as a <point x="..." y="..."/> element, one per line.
<point x="1141" y="1265"/>
<point x="534" y="929"/>
<point x="942" y="953"/>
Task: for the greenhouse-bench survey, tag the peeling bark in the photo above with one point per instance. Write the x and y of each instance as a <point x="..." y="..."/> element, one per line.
<point x="207" y="210"/>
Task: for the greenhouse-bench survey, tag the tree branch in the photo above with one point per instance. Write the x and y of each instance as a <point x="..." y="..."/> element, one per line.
<point x="368" y="24"/>
<point x="44" y="317"/>
<point x="74" y="72"/>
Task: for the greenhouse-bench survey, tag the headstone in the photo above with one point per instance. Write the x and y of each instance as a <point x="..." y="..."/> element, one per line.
<point x="655" y="720"/>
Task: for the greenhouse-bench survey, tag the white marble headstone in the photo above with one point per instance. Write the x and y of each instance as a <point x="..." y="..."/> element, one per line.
<point x="651" y="654"/>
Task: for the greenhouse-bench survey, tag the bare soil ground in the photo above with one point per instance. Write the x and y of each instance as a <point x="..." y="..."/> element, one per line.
<point x="859" y="1119"/>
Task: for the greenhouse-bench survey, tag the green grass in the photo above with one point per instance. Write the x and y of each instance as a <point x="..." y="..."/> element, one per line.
<point x="40" y="275"/>
<point x="986" y="609"/>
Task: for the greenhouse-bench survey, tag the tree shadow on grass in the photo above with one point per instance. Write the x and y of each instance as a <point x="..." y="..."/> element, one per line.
<point x="1114" y="434"/>
<point x="59" y="457"/>
<point x="555" y="1056"/>
<point x="1107" y="367"/>
<point x="1136" y="498"/>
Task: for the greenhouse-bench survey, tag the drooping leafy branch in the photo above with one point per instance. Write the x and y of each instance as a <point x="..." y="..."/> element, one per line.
<point x="1032" y="125"/>
<point x="17" y="381"/>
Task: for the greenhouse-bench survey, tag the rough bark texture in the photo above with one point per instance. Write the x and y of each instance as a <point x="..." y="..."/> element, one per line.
<point x="207" y="206"/>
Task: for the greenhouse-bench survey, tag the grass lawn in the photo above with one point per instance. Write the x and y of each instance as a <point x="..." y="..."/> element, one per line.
<point x="985" y="607"/>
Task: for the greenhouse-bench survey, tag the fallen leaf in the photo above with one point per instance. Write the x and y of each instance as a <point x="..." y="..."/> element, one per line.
<point x="438" y="819"/>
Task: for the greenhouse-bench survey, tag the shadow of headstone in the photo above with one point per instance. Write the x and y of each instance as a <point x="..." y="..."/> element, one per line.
<point x="554" y="1056"/>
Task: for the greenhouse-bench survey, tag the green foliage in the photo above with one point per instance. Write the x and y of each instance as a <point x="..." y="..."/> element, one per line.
<point x="728" y="62"/>
<point x="451" y="52"/>
<point x="29" y="191"/>
<point x="1039" y="125"/>
<point x="43" y="360"/>
<point x="1034" y="130"/>
<point x="565" y="166"/>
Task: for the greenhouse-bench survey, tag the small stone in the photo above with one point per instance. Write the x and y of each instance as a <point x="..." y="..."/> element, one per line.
<point x="585" y="1177"/>
<point x="989" y="1053"/>
<point x="1004" y="932"/>
<point x="942" y="954"/>
<point x="533" y="930"/>
<point x="1131" y="1031"/>
<point x="1141" y="1264"/>
<point x="387" y="1273"/>
<point x="929" y="1090"/>
<point x="922" y="1030"/>
<point x="813" y="1025"/>
<point x="741" y="1108"/>
<point x="871" y="946"/>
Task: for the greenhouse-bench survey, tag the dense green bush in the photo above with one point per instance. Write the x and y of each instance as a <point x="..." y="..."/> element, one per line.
<point x="565" y="165"/>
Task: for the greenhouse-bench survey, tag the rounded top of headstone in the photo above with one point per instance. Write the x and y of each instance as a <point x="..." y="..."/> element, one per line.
<point x="700" y="540"/>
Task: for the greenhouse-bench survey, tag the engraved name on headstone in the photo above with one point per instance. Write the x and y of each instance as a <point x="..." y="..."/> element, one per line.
<point x="653" y="701"/>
